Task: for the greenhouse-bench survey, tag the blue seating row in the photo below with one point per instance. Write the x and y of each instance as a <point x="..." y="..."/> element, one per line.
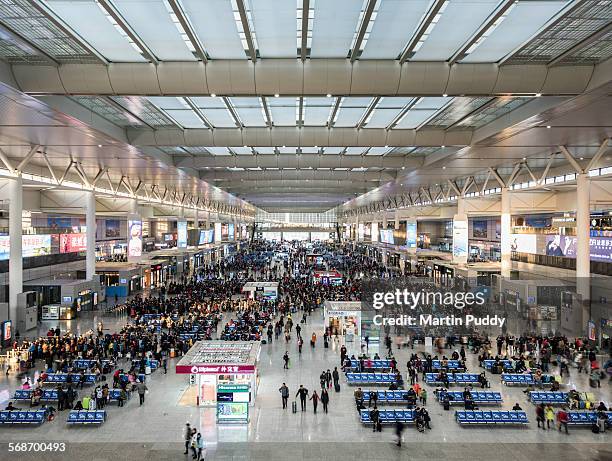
<point x="584" y="418"/>
<point x="124" y="377"/>
<point x="154" y="364"/>
<point x="507" y="364"/>
<point x="450" y="365"/>
<point x="370" y="378"/>
<point x="490" y="417"/>
<point x="548" y="397"/>
<point x="386" y="396"/>
<point x="481" y="397"/>
<point x="389" y="416"/>
<point x="453" y="378"/>
<point x="22" y="417"/>
<point x="86" y="364"/>
<point x="65" y="378"/>
<point x="382" y="364"/>
<point x="26" y="394"/>
<point x="515" y="378"/>
<point x="86" y="417"/>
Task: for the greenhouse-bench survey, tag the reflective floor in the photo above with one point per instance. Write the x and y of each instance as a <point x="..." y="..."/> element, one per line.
<point x="154" y="430"/>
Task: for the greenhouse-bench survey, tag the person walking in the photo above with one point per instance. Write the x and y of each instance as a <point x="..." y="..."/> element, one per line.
<point x="165" y="365"/>
<point x="336" y="377"/>
<point x="539" y="410"/>
<point x="286" y="360"/>
<point x="142" y="388"/>
<point x="300" y="343"/>
<point x="399" y="429"/>
<point x="315" y="400"/>
<point x="187" y="437"/>
<point x="303" y="393"/>
<point x="284" y="391"/>
<point x="325" y="400"/>
<point x="328" y="378"/>
<point x="549" y="415"/>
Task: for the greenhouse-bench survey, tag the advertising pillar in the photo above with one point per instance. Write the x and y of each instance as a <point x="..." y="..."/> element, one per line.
<point x="134" y="233"/>
<point x="583" y="237"/>
<point x="181" y="233"/>
<point x="506" y="233"/>
<point x="15" y="190"/>
<point x="460" y="234"/>
<point x="411" y="235"/>
<point x="90" y="223"/>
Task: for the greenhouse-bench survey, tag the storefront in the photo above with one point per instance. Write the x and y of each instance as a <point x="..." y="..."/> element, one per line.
<point x="120" y="279"/>
<point x="332" y="278"/>
<point x="261" y="290"/>
<point x="343" y="318"/>
<point x="63" y="299"/>
<point x="224" y="375"/>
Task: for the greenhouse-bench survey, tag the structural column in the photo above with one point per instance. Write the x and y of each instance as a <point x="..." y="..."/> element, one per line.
<point x="460" y="233"/>
<point x="15" y="190"/>
<point x="90" y="224"/>
<point x="506" y="233"/>
<point x="196" y="218"/>
<point x="583" y="252"/>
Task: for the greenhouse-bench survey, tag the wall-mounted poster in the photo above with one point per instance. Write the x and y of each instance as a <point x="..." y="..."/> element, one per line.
<point x="181" y="234"/>
<point x="31" y="245"/>
<point x="134" y="238"/>
<point x="218" y="232"/>
<point x="112" y="228"/>
<point x="59" y="222"/>
<point x="524" y="243"/>
<point x="479" y="229"/>
<point x="460" y="239"/>
<point x="561" y="245"/>
<point x="374" y="232"/>
<point x="230" y="231"/>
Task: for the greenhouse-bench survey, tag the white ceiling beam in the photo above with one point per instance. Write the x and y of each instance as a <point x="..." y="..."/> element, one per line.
<point x="570" y="158"/>
<point x="603" y="148"/>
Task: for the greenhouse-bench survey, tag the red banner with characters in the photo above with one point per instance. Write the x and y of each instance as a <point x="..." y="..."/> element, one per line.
<point x="73" y="243"/>
<point x="214" y="369"/>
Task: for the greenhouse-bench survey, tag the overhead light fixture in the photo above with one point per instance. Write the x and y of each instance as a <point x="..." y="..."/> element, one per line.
<point x="548" y="126"/>
<point x="276" y="95"/>
<point x="403" y="168"/>
<point x="213" y="95"/>
<point x="442" y="146"/>
<point x="524" y="158"/>
<point x="581" y="158"/>
<point x="99" y="145"/>
<point x="445" y="95"/>
<point x="329" y="95"/>
<point x="444" y="168"/>
<point x="537" y="95"/>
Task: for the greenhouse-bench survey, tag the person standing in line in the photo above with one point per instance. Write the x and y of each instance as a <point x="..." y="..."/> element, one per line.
<point x="303" y="393"/>
<point x="324" y="399"/>
<point x="284" y="391"/>
<point x="315" y="400"/>
<point x="142" y="388"/>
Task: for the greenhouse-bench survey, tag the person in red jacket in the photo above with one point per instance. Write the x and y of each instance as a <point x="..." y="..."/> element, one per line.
<point x="562" y="419"/>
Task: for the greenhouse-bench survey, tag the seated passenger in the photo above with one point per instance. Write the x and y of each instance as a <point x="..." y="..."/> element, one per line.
<point x="516" y="407"/>
<point x="10" y="407"/>
<point x="78" y="406"/>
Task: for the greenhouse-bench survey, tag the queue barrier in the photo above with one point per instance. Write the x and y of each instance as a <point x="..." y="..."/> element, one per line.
<point x="491" y="417"/>
<point x="22" y="416"/>
<point x="374" y="364"/>
<point x="68" y="378"/>
<point x="86" y="417"/>
<point x="585" y="418"/>
<point x="450" y="365"/>
<point x="479" y="397"/>
<point x="370" y="378"/>
<point x="548" y="397"/>
<point x="389" y="416"/>
<point x="506" y="364"/>
<point x="453" y="378"/>
<point x="387" y="396"/>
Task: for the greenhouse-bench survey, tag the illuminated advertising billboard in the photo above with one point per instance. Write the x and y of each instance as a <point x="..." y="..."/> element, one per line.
<point x="411" y="233"/>
<point x="181" y="234"/>
<point x="374" y="232"/>
<point x="73" y="243"/>
<point x="31" y="245"/>
<point x="460" y="240"/>
<point x="230" y="231"/>
<point x="218" y="232"/>
<point x="134" y="238"/>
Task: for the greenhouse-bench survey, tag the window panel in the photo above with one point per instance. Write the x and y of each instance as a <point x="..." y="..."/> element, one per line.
<point x="275" y="27"/>
<point x="522" y="23"/>
<point x="214" y="23"/>
<point x="335" y="23"/>
<point x="395" y="24"/>
<point x="186" y="118"/>
<point x="414" y="118"/>
<point x="87" y="19"/>
<point x="458" y="22"/>
<point x="151" y="21"/>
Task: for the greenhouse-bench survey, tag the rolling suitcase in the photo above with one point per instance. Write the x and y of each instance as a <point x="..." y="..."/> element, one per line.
<point x="337" y="387"/>
<point x="294" y="407"/>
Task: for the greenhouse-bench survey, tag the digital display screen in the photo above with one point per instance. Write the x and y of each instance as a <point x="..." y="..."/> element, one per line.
<point x="134" y="238"/>
<point x="181" y="234"/>
<point x="73" y="243"/>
